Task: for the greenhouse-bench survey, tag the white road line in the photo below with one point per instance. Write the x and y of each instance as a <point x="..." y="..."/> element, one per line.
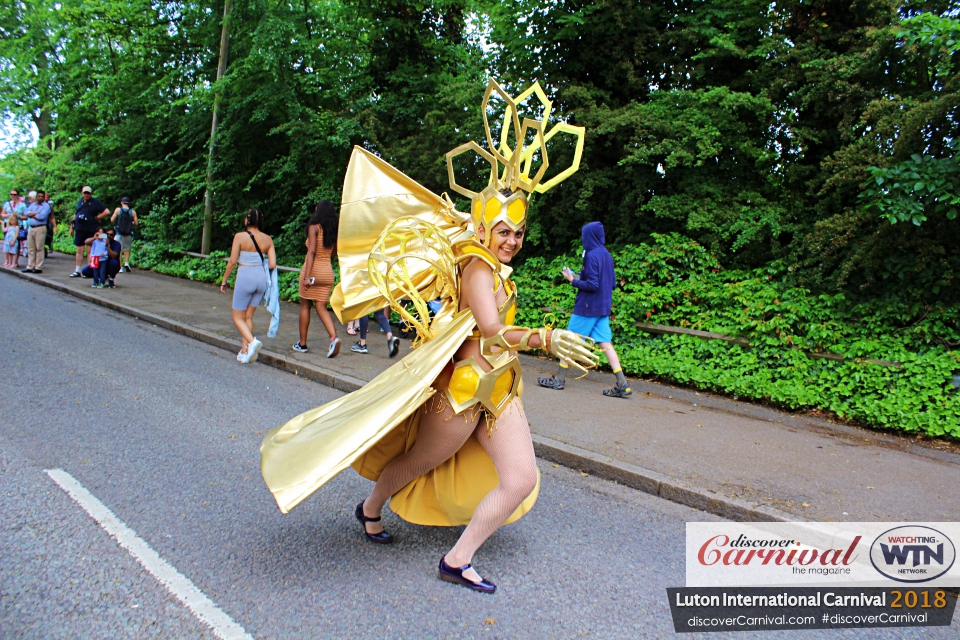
<point x="176" y="583"/>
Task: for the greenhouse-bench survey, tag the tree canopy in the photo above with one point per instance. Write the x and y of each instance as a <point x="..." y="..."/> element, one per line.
<point x="818" y="134"/>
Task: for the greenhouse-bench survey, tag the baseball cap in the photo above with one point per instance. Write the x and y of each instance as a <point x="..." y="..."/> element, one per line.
<point x="125" y="200"/>
<point x="86" y="190"/>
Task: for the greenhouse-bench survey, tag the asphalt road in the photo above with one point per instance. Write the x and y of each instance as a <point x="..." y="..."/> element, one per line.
<point x="165" y="432"/>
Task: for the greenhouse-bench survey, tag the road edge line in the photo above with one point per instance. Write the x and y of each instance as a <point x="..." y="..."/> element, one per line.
<point x="180" y="586"/>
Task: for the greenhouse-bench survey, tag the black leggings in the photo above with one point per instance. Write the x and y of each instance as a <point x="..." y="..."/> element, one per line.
<point x="380" y="317"/>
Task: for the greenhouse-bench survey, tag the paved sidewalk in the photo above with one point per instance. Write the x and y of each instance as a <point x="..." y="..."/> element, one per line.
<point x="730" y="458"/>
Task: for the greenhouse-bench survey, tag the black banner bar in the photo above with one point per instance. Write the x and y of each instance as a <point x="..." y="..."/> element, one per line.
<point x="775" y="608"/>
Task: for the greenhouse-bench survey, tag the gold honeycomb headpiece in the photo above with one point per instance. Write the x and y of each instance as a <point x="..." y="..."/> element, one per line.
<point x="504" y="198"/>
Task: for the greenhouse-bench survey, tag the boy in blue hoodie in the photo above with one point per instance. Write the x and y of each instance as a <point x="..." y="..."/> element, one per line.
<point x="591" y="313"/>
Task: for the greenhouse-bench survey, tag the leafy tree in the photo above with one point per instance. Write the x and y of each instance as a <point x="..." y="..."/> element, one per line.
<point x="31" y="69"/>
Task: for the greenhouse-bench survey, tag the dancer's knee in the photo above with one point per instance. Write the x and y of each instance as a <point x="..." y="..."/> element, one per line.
<point x="521" y="481"/>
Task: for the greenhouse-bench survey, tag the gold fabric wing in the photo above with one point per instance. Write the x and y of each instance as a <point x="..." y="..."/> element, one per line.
<point x="375" y="194"/>
<point x="301" y="456"/>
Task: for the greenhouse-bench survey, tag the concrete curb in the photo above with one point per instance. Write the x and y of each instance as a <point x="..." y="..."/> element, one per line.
<point x="654" y="483"/>
<point x="546" y="448"/>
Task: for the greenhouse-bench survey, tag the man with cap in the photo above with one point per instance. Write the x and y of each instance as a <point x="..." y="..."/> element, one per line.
<point x="125" y="219"/>
<point x="85" y="223"/>
<point x="38" y="212"/>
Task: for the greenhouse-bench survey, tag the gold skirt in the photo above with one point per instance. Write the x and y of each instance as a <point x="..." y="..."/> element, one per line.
<point x="449" y="494"/>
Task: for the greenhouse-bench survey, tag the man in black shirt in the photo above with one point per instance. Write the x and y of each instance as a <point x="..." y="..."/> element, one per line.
<point x="85" y="223"/>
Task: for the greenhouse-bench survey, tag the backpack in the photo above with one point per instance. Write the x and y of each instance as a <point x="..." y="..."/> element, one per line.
<point x="125" y="222"/>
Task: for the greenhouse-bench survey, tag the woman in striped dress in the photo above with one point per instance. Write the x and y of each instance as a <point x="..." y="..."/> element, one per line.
<point x="316" y="275"/>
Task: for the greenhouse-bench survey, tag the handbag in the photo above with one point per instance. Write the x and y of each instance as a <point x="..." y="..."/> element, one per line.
<point x="22" y="233"/>
<point x="94" y="261"/>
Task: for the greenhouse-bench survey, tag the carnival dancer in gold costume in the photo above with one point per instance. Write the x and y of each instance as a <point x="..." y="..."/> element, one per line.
<point x="442" y="432"/>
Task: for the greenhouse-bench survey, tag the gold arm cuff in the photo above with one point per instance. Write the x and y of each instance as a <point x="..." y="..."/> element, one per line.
<point x="500" y="340"/>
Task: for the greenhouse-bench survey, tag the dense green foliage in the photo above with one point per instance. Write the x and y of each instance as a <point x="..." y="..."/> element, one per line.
<point x="674" y="281"/>
<point x="808" y="149"/>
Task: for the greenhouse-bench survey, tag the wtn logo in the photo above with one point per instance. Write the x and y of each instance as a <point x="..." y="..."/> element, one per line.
<point x="912" y="554"/>
<point x="921" y="553"/>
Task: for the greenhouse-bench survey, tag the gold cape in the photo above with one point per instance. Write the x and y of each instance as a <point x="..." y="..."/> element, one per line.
<point x="371" y="426"/>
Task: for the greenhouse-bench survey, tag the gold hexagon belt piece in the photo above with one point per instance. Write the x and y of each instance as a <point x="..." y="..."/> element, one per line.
<point x="494" y="389"/>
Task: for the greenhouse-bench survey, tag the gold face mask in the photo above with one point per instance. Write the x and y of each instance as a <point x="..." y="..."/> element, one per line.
<point x="504" y="199"/>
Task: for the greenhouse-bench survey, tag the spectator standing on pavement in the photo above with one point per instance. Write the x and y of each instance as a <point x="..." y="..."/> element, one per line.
<point x="14" y="205"/>
<point x="591" y="312"/>
<point x="86" y="221"/>
<point x="16" y="208"/>
<point x="316" y="275"/>
<point x="10" y="243"/>
<point x="125" y="219"/>
<point x="251" y="247"/>
<point x="393" y="344"/>
<point x="51" y="224"/>
<point x="98" y="257"/>
<point x="38" y="212"/>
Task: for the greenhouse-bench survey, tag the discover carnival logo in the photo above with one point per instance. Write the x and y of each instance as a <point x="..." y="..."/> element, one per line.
<point x="808" y="554"/>
<point x="746" y="551"/>
<point x="912" y="554"/>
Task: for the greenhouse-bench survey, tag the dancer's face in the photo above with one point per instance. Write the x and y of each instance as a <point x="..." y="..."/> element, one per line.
<point x="506" y="242"/>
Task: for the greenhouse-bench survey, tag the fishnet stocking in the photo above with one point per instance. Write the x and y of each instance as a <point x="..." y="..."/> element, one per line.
<point x="511" y="449"/>
<point x="441" y="434"/>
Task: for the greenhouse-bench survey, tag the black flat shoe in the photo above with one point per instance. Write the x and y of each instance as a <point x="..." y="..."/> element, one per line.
<point x="380" y="538"/>
<point x="450" y="574"/>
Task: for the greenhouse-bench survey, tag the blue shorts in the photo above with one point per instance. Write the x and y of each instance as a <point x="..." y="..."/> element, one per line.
<point x="596" y="327"/>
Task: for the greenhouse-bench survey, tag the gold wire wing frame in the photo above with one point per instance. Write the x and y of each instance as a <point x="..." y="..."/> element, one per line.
<point x="396" y="267"/>
<point x="517" y="158"/>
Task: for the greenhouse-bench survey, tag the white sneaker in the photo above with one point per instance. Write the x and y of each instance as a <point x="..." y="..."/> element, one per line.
<point x="244" y="358"/>
<point x="334" y="348"/>
<point x="254" y="349"/>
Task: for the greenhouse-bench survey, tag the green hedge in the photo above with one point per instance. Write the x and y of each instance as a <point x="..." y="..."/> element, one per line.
<point x="676" y="282"/>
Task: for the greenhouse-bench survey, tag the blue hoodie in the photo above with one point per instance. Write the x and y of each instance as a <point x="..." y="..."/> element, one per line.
<point x="596" y="281"/>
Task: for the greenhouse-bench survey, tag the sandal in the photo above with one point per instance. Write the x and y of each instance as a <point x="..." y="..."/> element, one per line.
<point x="552" y="383"/>
<point x="618" y="392"/>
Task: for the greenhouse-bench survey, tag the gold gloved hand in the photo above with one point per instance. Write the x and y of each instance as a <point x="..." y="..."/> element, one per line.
<point x="574" y="348"/>
<point x="563" y="344"/>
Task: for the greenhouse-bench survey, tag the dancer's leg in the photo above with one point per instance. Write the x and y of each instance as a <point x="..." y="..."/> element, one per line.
<point x="440" y="436"/>
<point x="511" y="449"/>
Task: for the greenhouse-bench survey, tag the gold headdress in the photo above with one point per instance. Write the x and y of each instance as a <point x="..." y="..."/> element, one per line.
<point x="503" y="199"/>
